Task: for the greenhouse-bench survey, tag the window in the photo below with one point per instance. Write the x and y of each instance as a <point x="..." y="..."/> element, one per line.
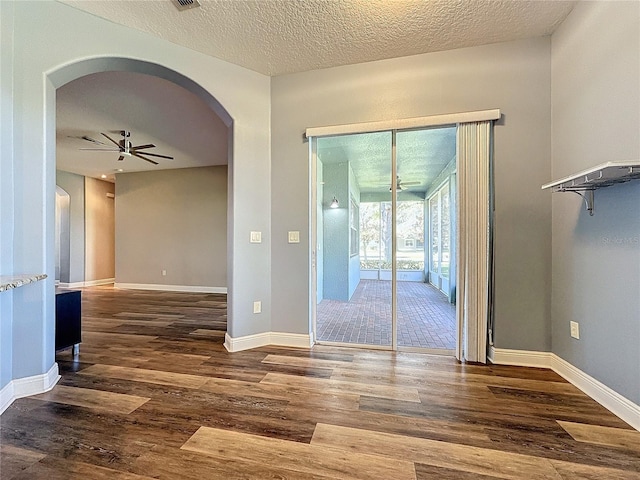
<point x="354" y="220"/>
<point x="375" y="235"/>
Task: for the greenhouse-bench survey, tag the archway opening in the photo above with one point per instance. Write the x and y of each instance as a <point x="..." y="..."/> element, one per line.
<point x="78" y="70"/>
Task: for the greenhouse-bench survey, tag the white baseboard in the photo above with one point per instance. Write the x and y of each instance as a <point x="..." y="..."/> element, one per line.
<point x="102" y="281"/>
<point x="6" y="397"/>
<point x="71" y="285"/>
<point x="23" y="387"/>
<point x="605" y="396"/>
<point x="170" y="288"/>
<point x="520" y="358"/>
<point x="88" y="283"/>
<point x="280" y="339"/>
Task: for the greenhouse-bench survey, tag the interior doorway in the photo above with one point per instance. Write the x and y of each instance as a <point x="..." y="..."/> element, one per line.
<point x="374" y="253"/>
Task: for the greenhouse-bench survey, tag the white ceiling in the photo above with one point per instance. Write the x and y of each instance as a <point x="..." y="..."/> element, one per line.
<point x="273" y="37"/>
<point x="276" y="37"/>
<point x="154" y="110"/>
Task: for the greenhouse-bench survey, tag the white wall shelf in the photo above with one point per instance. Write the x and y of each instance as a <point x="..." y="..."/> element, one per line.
<point x="586" y="182"/>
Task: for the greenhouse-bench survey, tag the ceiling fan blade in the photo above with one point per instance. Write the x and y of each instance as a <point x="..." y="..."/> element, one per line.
<point x="92" y="140"/>
<point x="408" y="184"/>
<point x="111" y="140"/>
<point x="146" y="159"/>
<point x="140" y="147"/>
<point x="120" y="158"/>
<point x="156" y="155"/>
<point x="101" y="149"/>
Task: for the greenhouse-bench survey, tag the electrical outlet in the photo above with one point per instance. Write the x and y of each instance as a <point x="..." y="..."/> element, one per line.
<point x="164" y="273"/>
<point x="257" y="307"/>
<point x="575" y="329"/>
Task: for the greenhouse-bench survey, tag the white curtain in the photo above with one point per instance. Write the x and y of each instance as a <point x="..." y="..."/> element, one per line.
<point x="474" y="237"/>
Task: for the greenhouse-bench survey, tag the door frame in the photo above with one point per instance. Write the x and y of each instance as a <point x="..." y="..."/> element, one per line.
<point x="312" y="134"/>
<point x="313" y="249"/>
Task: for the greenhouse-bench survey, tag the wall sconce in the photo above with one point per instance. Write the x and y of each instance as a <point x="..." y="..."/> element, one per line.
<point x="334" y="203"/>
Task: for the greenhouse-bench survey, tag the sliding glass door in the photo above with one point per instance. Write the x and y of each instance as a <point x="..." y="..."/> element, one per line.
<point x="376" y="242"/>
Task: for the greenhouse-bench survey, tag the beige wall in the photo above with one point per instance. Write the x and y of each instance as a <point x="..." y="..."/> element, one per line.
<point x="74" y="185"/>
<point x="99" y="230"/>
<point x="173" y="220"/>
<point x="514" y="77"/>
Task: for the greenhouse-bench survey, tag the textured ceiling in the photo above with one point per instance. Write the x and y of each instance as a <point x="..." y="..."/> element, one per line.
<point x="154" y="110"/>
<point x="421" y="156"/>
<point x="276" y="37"/>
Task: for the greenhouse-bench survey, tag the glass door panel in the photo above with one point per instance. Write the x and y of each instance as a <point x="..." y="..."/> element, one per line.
<point x="353" y="225"/>
<point x="413" y="241"/>
<point x="424" y="159"/>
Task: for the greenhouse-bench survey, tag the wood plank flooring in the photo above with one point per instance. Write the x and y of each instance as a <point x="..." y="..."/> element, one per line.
<point x="154" y="394"/>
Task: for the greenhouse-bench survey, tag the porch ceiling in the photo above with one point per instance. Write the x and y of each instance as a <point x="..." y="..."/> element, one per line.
<point x="421" y="156"/>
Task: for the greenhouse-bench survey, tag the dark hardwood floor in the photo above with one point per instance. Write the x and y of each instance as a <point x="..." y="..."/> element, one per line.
<point x="154" y="394"/>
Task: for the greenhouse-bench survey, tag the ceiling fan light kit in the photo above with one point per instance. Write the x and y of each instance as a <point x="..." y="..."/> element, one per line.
<point x="125" y="148"/>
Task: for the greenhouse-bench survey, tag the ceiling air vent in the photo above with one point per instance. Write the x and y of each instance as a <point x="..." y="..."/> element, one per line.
<point x="185" y="4"/>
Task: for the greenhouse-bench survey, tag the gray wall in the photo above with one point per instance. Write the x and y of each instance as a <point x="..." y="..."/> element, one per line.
<point x="596" y="260"/>
<point x="38" y="56"/>
<point x="6" y="187"/>
<point x="173" y="220"/>
<point x="336" y="232"/>
<point x="99" y="230"/>
<point x="514" y="77"/>
<point x="74" y="185"/>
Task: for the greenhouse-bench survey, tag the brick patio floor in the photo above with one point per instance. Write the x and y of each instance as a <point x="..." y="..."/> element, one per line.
<point x="426" y="319"/>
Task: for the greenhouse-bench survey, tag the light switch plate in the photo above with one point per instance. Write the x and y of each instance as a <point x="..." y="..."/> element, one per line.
<point x="257" y="307"/>
<point x="256" y="237"/>
<point x="294" y="237"/>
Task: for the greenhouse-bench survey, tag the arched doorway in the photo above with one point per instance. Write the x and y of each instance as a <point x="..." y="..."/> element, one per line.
<point x="52" y="45"/>
<point x="71" y="72"/>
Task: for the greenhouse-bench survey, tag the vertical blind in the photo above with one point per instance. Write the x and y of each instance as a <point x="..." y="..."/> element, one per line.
<point x="473" y="233"/>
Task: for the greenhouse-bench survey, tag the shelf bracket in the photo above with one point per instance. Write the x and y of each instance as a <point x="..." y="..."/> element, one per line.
<point x="588" y="198"/>
<point x="585" y="183"/>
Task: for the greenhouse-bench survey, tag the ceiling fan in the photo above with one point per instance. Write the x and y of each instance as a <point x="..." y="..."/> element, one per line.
<point x="400" y="185"/>
<point x="124" y="147"/>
